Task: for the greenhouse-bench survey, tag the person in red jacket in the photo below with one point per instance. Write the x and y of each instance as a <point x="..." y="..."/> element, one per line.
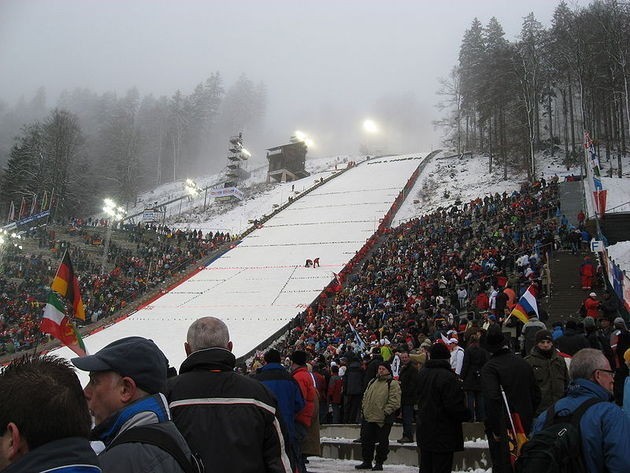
<point x="587" y="273"/>
<point x="335" y="393"/>
<point x="306" y="383"/>
<point x="591" y="304"/>
<point x="482" y="302"/>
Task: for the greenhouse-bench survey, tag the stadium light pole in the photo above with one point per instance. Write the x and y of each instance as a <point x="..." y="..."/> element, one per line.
<point x="117" y="214"/>
<point x="7" y="238"/>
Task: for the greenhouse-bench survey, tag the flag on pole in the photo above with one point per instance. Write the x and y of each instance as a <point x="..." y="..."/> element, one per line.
<point x="56" y="323"/>
<point x="22" y="208"/>
<point x="515" y="431"/>
<point x="33" y="204"/>
<point x="526" y="304"/>
<point x="337" y="286"/>
<point x="66" y="284"/>
<point x="44" y="201"/>
<point x="357" y="337"/>
<point x="11" y="212"/>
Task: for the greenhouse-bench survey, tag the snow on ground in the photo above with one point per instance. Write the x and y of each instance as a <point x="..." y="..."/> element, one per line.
<point x="231" y="217"/>
<point x="261" y="284"/>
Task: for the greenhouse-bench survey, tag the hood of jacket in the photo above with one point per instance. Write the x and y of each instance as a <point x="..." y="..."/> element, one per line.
<point x="209" y="359"/>
<point x="70" y="452"/>
<point x="149" y="410"/>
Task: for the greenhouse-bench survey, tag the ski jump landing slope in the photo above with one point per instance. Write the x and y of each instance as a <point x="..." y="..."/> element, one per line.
<point x="261" y="284"/>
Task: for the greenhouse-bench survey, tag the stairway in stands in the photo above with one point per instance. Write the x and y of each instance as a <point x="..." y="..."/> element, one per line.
<point x="337" y="442"/>
<point x="566" y="293"/>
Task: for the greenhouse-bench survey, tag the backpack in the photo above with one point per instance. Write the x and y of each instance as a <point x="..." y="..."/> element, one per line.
<point x="557" y="448"/>
<point x="160" y="439"/>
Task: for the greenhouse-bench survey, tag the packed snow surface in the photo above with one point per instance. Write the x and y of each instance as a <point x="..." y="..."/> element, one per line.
<point x="261" y="284"/>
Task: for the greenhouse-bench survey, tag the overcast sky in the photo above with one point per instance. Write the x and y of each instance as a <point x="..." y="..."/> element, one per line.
<point x="327" y="64"/>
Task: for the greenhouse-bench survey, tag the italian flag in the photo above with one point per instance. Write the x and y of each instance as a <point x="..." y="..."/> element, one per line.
<point x="56" y="323"/>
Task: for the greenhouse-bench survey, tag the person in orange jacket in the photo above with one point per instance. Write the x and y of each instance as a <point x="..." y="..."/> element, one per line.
<point x="587" y="273"/>
<point x="591" y="304"/>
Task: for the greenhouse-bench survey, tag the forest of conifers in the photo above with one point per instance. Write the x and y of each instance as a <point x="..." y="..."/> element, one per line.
<point x="506" y="99"/>
<point x="513" y="99"/>
<point x="93" y="146"/>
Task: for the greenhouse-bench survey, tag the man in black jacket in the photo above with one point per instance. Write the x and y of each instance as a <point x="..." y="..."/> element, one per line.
<point x="572" y="340"/>
<point x="230" y="420"/>
<point x="441" y="411"/>
<point x="509" y="375"/>
<point x="352" y="390"/>
<point x="408" y="378"/>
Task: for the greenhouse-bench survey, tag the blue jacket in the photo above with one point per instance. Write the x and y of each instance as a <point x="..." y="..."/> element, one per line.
<point x="605" y="428"/>
<point x="139" y="457"/>
<point x="287" y="392"/>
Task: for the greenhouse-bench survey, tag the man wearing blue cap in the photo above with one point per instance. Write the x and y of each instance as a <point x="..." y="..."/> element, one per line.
<point x="124" y="395"/>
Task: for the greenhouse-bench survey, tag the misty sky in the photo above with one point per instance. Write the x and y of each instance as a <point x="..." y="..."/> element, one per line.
<point x="327" y="64"/>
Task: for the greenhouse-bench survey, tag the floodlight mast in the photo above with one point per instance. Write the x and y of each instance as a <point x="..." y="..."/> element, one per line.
<point x="117" y="214"/>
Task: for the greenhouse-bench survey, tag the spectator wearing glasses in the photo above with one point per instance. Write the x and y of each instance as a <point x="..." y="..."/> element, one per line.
<point x="605" y="429"/>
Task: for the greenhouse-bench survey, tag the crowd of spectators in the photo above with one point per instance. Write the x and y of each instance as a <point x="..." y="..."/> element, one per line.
<point x="151" y="256"/>
<point x="447" y="276"/>
<point x="437" y="272"/>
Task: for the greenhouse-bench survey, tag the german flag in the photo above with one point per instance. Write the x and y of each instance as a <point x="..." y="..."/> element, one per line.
<point x="66" y="284"/>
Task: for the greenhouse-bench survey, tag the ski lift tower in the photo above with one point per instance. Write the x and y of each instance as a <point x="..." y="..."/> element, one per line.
<point x="235" y="171"/>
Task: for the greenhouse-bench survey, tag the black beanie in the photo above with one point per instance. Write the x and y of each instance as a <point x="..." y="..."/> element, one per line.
<point x="272" y="356"/>
<point x="299" y="357"/>
<point x="386" y="365"/>
<point x="438" y="351"/>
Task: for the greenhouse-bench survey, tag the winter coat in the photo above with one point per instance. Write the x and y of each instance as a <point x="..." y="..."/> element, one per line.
<point x="353" y="379"/>
<point x="68" y="455"/>
<point x="528" y="332"/>
<point x="290" y="401"/>
<point x="139" y="457"/>
<point x="605" y="429"/>
<point x="457" y="360"/>
<point x="380" y="400"/>
<point x="474" y="359"/>
<point x="335" y="390"/>
<point x="551" y="374"/>
<point x="306" y="382"/>
<point x="311" y="444"/>
<point x="408" y="379"/>
<point x="592" y="307"/>
<point x="441" y="408"/>
<point x="571" y="342"/>
<point x="232" y="421"/>
<point x="515" y="375"/>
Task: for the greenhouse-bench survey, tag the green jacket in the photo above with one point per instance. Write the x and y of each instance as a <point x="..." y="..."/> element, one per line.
<point x="380" y="400"/>
<point x="551" y="375"/>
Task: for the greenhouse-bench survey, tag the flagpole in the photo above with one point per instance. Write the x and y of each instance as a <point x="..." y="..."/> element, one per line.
<point x="507" y="407"/>
<point x="59" y="267"/>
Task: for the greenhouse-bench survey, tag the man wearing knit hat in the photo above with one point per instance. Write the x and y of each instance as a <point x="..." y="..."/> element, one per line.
<point x="441" y="411"/>
<point x="550" y="370"/>
<point x="380" y="401"/>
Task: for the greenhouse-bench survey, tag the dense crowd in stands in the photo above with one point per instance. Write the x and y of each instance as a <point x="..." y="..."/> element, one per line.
<point x="436" y="271"/>
<point x="447" y="276"/>
<point x="157" y="256"/>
